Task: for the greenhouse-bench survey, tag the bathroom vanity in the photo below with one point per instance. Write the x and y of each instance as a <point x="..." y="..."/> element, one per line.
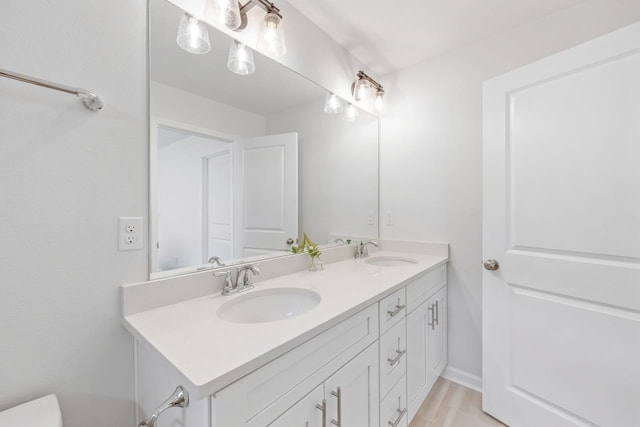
<point x="366" y="354"/>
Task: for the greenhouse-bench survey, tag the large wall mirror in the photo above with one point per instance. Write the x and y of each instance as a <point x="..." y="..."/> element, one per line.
<point x="241" y="165"/>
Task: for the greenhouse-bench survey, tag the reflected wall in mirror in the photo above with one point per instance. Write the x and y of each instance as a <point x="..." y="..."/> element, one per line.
<point x="241" y="165"/>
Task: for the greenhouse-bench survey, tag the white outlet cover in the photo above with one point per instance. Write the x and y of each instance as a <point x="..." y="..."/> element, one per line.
<point x="129" y="233"/>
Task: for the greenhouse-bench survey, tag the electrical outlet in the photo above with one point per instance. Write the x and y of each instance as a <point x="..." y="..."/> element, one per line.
<point x="388" y="218"/>
<point x="371" y="218"/>
<point x="129" y="233"/>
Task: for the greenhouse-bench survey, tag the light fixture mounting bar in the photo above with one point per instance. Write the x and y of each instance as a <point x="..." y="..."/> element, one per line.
<point x="364" y="76"/>
<point x="267" y="6"/>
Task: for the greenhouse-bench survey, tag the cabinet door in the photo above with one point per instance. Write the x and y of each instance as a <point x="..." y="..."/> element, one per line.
<point x="418" y="325"/>
<point x="352" y="392"/>
<point x="306" y="413"/>
<point x="437" y="337"/>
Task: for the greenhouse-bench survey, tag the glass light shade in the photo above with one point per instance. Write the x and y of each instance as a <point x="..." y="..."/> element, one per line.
<point x="378" y="102"/>
<point x="271" y="39"/>
<point x="240" y="59"/>
<point x="332" y="104"/>
<point x="225" y="12"/>
<point x="360" y="89"/>
<point x="193" y="35"/>
<point x="350" y="113"/>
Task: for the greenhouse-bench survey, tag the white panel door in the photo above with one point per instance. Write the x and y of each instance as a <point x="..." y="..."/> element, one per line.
<point x="437" y="337"/>
<point x="561" y="193"/>
<point x="219" y="206"/>
<point x="418" y="326"/>
<point x="266" y="194"/>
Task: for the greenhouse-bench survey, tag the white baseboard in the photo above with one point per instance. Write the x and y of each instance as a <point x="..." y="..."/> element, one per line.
<point x="463" y="378"/>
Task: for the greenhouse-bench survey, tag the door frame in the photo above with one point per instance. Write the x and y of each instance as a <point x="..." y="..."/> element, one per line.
<point x="156" y="122"/>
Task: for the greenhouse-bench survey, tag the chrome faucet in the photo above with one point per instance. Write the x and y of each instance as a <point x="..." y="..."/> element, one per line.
<point x="244" y="275"/>
<point x="361" y="249"/>
<point x="243" y="280"/>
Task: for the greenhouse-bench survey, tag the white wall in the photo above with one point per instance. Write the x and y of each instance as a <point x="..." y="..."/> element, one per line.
<point x="66" y="175"/>
<point x="338" y="170"/>
<point x="432" y="132"/>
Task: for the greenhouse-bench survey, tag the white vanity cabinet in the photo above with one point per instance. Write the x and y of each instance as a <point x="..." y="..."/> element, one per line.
<point x="347" y="398"/>
<point x="426" y="336"/>
<point x="373" y="368"/>
<point x="342" y="362"/>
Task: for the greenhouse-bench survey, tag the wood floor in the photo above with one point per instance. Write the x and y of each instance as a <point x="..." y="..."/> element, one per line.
<point x="452" y="405"/>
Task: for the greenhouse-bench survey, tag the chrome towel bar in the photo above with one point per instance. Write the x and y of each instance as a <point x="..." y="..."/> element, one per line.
<point x="89" y="99"/>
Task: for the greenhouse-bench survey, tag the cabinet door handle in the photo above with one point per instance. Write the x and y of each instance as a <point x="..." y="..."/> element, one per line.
<point x="338" y="395"/>
<point x="323" y="408"/>
<point x="397" y="421"/>
<point x="398" y="309"/>
<point x="433" y="317"/>
<point x="399" y="354"/>
<point x="437" y="313"/>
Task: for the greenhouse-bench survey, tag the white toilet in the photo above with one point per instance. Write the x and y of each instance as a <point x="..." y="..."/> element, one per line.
<point x="43" y="412"/>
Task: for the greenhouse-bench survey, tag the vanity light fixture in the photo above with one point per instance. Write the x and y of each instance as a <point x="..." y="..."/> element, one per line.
<point x="362" y="87"/>
<point x="271" y="38"/>
<point x="240" y="59"/>
<point x="379" y="102"/>
<point x="226" y="12"/>
<point x="193" y="35"/>
<point x="350" y="113"/>
<point x="332" y="104"/>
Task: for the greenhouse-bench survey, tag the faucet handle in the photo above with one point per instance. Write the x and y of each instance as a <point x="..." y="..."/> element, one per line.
<point x="227" y="289"/>
<point x="361" y="249"/>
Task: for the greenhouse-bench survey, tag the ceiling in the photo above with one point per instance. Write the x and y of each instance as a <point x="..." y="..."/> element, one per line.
<point x="390" y="35"/>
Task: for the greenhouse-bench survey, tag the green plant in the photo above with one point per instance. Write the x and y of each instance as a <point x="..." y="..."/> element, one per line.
<point x="312" y="247"/>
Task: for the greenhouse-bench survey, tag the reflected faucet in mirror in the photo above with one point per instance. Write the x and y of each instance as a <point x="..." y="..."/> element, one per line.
<point x="216" y="260"/>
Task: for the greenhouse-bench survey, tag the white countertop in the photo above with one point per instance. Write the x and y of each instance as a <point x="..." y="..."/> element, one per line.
<point x="211" y="353"/>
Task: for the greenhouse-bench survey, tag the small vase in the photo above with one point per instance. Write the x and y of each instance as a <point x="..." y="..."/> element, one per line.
<point x="316" y="264"/>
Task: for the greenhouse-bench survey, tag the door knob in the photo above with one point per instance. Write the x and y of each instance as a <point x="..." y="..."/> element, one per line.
<point x="289" y="241"/>
<point x="491" y="265"/>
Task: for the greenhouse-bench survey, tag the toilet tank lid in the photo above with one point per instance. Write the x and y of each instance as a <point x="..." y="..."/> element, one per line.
<point x="42" y="412"/>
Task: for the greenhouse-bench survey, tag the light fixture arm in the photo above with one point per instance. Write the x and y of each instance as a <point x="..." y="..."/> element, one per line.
<point x="265" y="5"/>
<point x="364" y="76"/>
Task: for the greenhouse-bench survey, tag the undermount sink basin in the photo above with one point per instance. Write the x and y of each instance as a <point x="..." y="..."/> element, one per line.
<point x="390" y="261"/>
<point x="268" y="305"/>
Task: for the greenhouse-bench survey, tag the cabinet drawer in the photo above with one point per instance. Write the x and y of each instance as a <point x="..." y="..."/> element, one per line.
<point x="393" y="409"/>
<point x="392" y="309"/>
<point x="269" y="391"/>
<point x="393" y="357"/>
<point x="424" y="286"/>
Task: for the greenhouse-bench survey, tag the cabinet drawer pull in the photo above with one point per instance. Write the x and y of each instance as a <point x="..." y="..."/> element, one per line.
<point x="437" y="313"/>
<point x="338" y="395"/>
<point x="400" y="415"/>
<point x="433" y="317"/>
<point x="396" y="359"/>
<point x="323" y="408"/>
<point x="398" y="309"/>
